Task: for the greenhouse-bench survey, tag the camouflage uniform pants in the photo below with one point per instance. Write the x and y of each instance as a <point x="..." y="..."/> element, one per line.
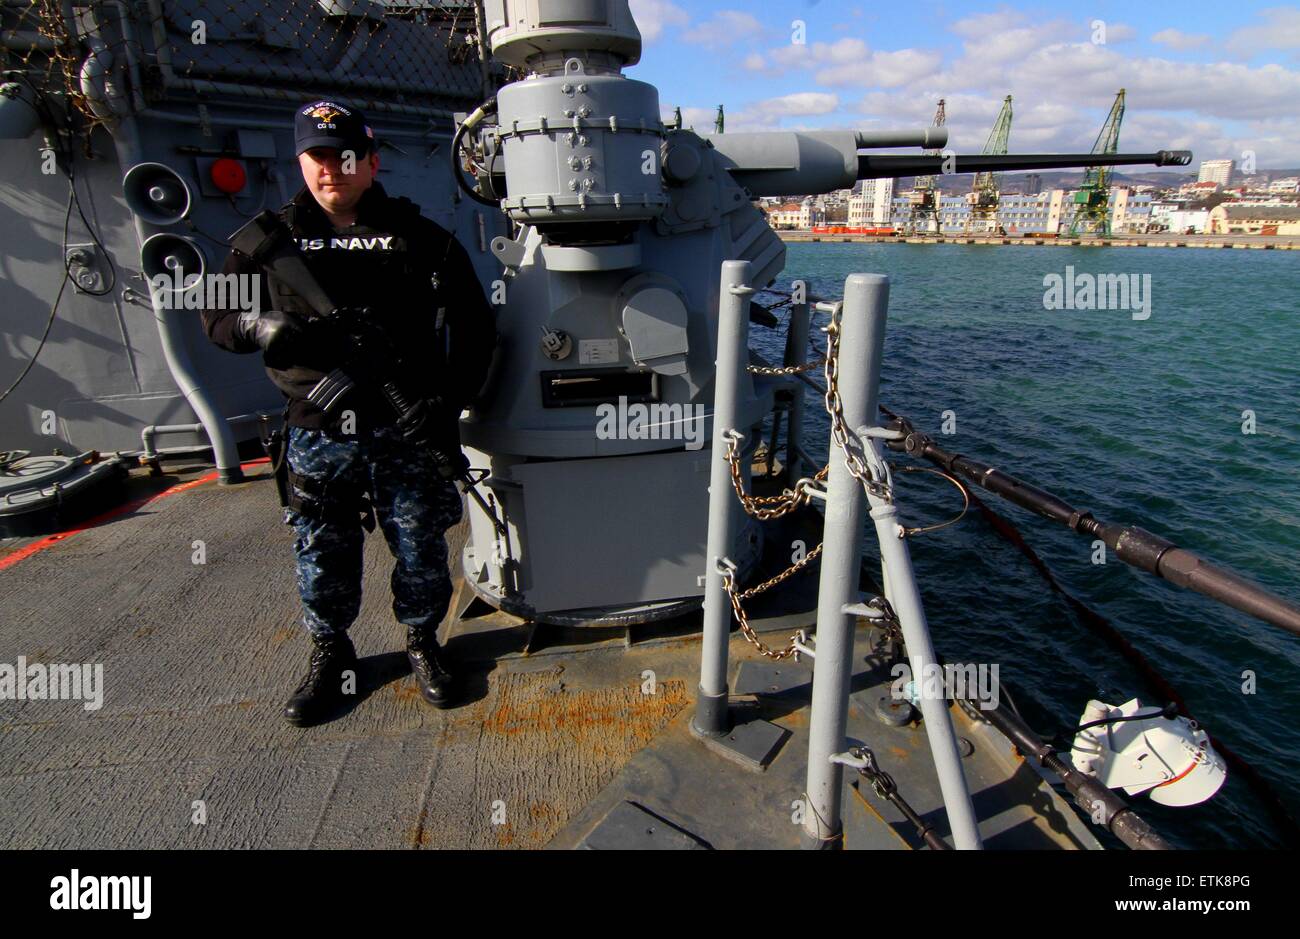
<point x="413" y="505"/>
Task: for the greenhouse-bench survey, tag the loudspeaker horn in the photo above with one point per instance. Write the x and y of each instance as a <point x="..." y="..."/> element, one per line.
<point x="177" y="259"/>
<point x="156" y="193"/>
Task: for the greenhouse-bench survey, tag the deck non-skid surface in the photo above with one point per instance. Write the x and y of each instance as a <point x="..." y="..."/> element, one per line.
<point x="189" y="605"/>
<point x="189" y="749"/>
<point x="722" y="804"/>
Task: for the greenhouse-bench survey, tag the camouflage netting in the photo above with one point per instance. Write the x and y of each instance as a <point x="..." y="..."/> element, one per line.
<point x="410" y="56"/>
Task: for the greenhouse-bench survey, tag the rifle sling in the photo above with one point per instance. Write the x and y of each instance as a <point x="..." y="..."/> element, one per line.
<point x="267" y="241"/>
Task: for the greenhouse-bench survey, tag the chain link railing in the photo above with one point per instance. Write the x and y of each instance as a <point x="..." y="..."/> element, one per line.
<point x="764" y="508"/>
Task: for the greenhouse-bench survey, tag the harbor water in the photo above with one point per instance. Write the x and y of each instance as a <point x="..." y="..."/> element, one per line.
<point x="1181" y="415"/>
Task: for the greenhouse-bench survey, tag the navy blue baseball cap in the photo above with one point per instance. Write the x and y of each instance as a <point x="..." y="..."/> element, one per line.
<point x="326" y="124"/>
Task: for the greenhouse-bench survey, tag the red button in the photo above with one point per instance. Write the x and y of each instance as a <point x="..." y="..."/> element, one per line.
<point x="228" y="175"/>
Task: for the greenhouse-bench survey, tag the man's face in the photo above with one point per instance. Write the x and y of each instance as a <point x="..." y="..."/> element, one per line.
<point x="326" y="172"/>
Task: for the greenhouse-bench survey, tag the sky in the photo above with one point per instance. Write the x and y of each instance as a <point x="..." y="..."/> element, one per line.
<point x="1221" y="79"/>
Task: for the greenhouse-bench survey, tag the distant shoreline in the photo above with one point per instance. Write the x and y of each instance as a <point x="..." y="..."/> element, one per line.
<point x="1256" y="242"/>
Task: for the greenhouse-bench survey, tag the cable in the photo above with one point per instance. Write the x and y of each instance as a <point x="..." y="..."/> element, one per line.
<point x="94" y="237"/>
<point x="261" y="199"/>
<point x="483" y="110"/>
<point x="64" y="161"/>
<point x="965" y="494"/>
<point x="1169" y="712"/>
<point x="54" y="309"/>
<point x="225" y="243"/>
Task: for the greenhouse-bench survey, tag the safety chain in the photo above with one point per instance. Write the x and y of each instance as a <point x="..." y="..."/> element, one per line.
<point x="834" y="407"/>
<point x="786" y="502"/>
<point x="784" y="369"/>
<point x="784" y="575"/>
<point x="728" y="572"/>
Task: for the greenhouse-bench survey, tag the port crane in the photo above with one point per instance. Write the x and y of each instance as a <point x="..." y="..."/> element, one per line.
<point x="1092" y="201"/>
<point x="983" y="197"/>
<point x="923" y="200"/>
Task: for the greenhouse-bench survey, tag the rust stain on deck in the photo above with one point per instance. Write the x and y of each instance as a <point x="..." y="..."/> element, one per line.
<point x="555" y="746"/>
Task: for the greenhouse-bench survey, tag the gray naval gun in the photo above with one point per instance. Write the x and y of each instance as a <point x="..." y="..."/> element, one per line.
<point x="598" y="436"/>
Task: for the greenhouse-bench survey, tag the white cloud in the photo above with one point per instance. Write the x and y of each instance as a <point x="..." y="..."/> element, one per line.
<point x="776" y="62"/>
<point x="993" y="42"/>
<point x="1177" y="39"/>
<point x="1091" y="75"/>
<point x="849" y="61"/>
<point x="699" y="118"/>
<point x="1062" y="84"/>
<point x="726" y="28"/>
<point x="1120" y="32"/>
<point x="653" y="15"/>
<point x="982" y="25"/>
<point x="881" y="69"/>
<point x="804" y="104"/>
<point x="1280" y="31"/>
<point x="764" y="115"/>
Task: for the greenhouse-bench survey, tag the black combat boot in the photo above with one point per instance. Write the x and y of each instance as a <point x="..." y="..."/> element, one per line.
<point x="431" y="677"/>
<point x="321" y="693"/>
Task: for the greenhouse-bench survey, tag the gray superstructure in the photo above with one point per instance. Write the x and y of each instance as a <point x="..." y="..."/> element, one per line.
<point x="136" y="90"/>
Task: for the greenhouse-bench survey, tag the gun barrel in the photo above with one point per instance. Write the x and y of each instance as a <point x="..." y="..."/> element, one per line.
<point x="789" y="163"/>
<point x="890" y="166"/>
<point x="929" y="137"/>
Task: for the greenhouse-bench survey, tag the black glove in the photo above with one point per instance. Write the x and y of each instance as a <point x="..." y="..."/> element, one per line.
<point x="437" y="426"/>
<point x="283" y="338"/>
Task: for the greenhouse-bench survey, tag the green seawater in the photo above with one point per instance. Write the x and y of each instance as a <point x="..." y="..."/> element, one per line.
<point x="1139" y="420"/>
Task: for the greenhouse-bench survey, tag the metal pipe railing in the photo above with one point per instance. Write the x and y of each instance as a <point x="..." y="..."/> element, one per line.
<point x="711" y="716"/>
<point x="861" y="349"/>
<point x="838" y="587"/>
<point x="796" y="349"/>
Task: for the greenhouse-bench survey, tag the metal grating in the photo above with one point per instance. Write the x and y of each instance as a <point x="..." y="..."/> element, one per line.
<point x="413" y="56"/>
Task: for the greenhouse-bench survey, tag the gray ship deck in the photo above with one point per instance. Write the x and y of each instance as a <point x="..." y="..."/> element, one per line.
<point x="199" y="658"/>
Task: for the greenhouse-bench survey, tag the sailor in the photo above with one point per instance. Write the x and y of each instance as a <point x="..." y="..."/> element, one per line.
<point x="408" y="313"/>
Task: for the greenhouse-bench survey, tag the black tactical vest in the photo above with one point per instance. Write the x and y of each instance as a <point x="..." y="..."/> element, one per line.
<point x="391" y="262"/>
